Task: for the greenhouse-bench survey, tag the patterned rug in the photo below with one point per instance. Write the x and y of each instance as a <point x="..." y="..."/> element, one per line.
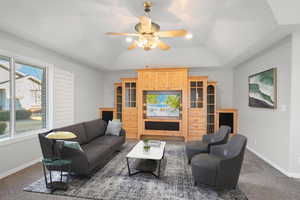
<point x="113" y="182"/>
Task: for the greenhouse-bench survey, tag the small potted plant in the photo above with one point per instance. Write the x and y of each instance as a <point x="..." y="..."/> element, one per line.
<point x="146" y="145"/>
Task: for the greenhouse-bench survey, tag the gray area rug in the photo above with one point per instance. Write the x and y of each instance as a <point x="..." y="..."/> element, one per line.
<point x="113" y="182"/>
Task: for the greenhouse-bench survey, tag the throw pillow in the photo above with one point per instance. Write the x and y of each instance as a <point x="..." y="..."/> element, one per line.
<point x="73" y="145"/>
<point x="113" y="128"/>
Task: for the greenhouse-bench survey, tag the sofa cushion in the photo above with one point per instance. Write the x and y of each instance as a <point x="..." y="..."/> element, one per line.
<point x="113" y="128"/>
<point x="95" y="128"/>
<point x="111" y="140"/>
<point x="78" y="130"/>
<point x="95" y="152"/>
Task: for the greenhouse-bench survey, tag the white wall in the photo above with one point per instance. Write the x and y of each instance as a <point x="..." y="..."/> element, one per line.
<point x="109" y="79"/>
<point x="267" y="130"/>
<point x="88" y="97"/>
<point x="295" y="107"/>
<point x="224" y="77"/>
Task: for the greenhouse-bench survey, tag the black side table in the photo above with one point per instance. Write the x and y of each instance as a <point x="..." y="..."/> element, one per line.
<point x="60" y="165"/>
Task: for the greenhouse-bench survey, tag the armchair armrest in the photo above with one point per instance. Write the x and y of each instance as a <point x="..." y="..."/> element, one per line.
<point x="206" y="138"/>
<point x="218" y="150"/>
<point x="228" y="172"/>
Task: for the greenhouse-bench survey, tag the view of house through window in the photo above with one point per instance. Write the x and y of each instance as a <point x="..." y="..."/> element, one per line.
<point x="4" y="97"/>
<point x="29" y="95"/>
<point x="30" y="98"/>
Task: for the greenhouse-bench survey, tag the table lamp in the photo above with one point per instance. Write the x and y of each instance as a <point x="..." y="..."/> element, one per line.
<point x="59" y="135"/>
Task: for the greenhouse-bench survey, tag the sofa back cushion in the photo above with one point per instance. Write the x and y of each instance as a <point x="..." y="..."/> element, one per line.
<point x="78" y="130"/>
<point x="95" y="128"/>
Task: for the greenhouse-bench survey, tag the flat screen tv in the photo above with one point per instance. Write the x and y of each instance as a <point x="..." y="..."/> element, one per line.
<point x="163" y="103"/>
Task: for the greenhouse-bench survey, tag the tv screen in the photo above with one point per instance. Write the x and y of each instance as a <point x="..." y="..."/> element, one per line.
<point x="163" y="104"/>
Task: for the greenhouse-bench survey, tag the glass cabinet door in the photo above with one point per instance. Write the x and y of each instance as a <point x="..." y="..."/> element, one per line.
<point x="119" y="102"/>
<point x="211" y="107"/>
<point x="130" y="95"/>
<point x="196" y="94"/>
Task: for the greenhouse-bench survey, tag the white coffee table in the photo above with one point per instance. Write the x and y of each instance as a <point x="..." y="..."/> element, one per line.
<point x="156" y="153"/>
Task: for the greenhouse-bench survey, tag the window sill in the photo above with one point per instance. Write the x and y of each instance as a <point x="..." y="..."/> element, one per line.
<point x="21" y="137"/>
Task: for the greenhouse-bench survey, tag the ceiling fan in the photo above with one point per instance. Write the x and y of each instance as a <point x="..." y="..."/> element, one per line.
<point x="148" y="33"/>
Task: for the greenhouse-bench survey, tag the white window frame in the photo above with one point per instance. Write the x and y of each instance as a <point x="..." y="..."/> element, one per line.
<point x="15" y="58"/>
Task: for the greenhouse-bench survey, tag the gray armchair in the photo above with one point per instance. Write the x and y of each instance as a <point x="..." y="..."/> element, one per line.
<point x="221" y="167"/>
<point x="196" y="147"/>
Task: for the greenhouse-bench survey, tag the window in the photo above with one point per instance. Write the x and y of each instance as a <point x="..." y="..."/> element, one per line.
<point x="4" y="97"/>
<point x="23" y="97"/>
<point x="30" y="98"/>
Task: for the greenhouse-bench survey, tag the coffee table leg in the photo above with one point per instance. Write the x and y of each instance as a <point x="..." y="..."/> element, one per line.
<point x="158" y="176"/>
<point x="129" y="173"/>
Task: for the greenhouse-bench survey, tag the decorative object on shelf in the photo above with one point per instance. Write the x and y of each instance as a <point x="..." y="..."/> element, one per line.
<point x="149" y="34"/>
<point x="263" y="89"/>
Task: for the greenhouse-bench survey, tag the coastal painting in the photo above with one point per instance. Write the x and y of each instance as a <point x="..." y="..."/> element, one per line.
<point x="163" y="105"/>
<point x="263" y="89"/>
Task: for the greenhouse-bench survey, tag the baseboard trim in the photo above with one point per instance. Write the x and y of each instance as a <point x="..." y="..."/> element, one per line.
<point x="291" y="175"/>
<point x="19" y="168"/>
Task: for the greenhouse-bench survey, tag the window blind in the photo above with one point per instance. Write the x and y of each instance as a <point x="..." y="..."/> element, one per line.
<point x="63" y="102"/>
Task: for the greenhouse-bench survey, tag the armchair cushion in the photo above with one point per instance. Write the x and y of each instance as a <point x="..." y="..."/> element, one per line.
<point x="194" y="148"/>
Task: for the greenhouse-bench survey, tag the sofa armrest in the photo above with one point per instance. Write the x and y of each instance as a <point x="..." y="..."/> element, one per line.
<point x="80" y="164"/>
<point x="122" y="132"/>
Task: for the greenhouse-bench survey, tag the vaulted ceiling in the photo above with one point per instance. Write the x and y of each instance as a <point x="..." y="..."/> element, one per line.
<point x="225" y="31"/>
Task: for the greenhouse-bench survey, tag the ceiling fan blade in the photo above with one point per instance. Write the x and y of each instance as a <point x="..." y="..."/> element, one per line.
<point x="133" y="45"/>
<point x="145" y="24"/>
<point x="172" y="33"/>
<point x="127" y="34"/>
<point x="162" y="45"/>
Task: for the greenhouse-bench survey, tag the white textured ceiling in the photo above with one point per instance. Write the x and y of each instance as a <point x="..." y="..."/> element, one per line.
<point x="223" y="30"/>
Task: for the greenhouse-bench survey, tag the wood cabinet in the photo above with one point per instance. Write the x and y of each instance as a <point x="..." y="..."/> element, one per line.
<point x="197" y="112"/>
<point x="211" y="108"/>
<point x="118" y="101"/>
<point x="162" y="79"/>
<point x="129" y="108"/>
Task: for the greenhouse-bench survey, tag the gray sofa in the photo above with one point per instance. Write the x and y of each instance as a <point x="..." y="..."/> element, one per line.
<point x="221" y="167"/>
<point x="97" y="147"/>
<point x="196" y="147"/>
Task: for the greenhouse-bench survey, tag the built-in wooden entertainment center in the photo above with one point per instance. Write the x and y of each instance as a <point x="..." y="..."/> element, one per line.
<point x="195" y="113"/>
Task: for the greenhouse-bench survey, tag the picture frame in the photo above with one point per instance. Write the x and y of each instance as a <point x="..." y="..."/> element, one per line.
<point x="262" y="89"/>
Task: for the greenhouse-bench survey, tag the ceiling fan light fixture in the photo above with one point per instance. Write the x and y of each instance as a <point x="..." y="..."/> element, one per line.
<point x="129" y="39"/>
<point x="189" y="36"/>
